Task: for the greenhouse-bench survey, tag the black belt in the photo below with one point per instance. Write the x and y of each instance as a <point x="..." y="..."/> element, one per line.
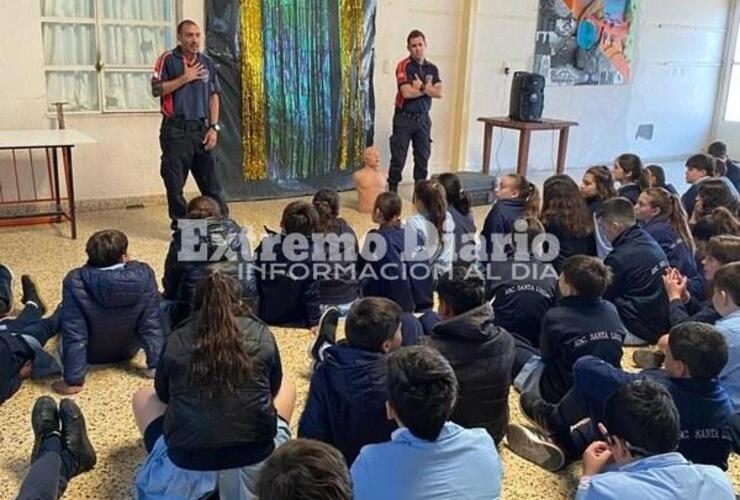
<point x="186" y="124"/>
<point x="412" y="116"/>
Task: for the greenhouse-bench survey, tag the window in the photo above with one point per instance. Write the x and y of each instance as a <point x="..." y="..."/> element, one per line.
<point x="99" y="54"/>
<point x="732" y="108"/>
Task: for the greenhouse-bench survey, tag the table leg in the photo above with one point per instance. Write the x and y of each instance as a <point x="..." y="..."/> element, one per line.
<point x="57" y="191"/>
<point x="524" y="138"/>
<point x="67" y="158"/>
<point x="487" y="133"/>
<point x="562" y="149"/>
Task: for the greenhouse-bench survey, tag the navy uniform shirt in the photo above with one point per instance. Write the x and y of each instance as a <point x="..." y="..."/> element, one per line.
<point x="405" y="72"/>
<point x="191" y="101"/>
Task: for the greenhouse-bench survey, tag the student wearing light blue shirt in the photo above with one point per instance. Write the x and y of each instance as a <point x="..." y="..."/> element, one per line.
<point x="428" y="457"/>
<point x="726" y="301"/>
<point x="637" y="459"/>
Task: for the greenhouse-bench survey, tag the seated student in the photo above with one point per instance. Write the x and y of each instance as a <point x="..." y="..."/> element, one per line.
<point x="110" y="309"/>
<point x="480" y="352"/>
<point x="388" y="274"/>
<point x="581" y="324"/>
<point x="638" y="263"/>
<point x="226" y="249"/>
<point x="695" y="356"/>
<point x="454" y="462"/>
<point x="566" y="216"/>
<point x="726" y="301"/>
<point x="304" y="469"/>
<point x="516" y="197"/>
<point x="219" y="400"/>
<point x="699" y="169"/>
<point x="289" y="293"/>
<point x="597" y="186"/>
<point x="663" y="217"/>
<point x="346" y="401"/>
<point x="61" y="449"/>
<point x="653" y="176"/>
<point x="717" y="222"/>
<point x="718" y="150"/>
<point x="628" y="171"/>
<point x="637" y="457"/>
<point x="432" y="221"/>
<point x="523" y="286"/>
<point x="711" y="195"/>
<point x="459" y="206"/>
<point x="340" y="249"/>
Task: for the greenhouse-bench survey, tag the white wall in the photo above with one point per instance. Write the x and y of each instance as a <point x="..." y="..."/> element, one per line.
<point x="677" y="67"/>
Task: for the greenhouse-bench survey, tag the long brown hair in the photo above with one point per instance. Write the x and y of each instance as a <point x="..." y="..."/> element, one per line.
<point x="563" y="205"/>
<point x="431" y="195"/>
<point x="724" y="248"/>
<point x="326" y="203"/>
<point x="456" y="195"/>
<point x="389" y="205"/>
<point x="528" y="192"/>
<point x="672" y="212"/>
<point x="715" y="193"/>
<point x="632" y="165"/>
<point x="220" y="360"/>
<point x="605" y="189"/>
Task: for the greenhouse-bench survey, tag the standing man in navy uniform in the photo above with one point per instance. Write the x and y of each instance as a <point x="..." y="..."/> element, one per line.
<point x="418" y="82"/>
<point x="185" y="81"/>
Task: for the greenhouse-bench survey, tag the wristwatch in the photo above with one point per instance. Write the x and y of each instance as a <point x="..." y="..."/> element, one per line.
<point x="215" y="126"/>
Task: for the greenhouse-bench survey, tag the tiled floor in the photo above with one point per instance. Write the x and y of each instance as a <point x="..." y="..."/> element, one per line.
<point x="47" y="253"/>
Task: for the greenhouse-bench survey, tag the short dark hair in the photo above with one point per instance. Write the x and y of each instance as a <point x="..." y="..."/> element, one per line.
<point x="462" y="289"/>
<point x="718" y="149"/>
<point x="619" y="210"/>
<point x="701" y="162"/>
<point x="304" y="469"/>
<point x="643" y="414"/>
<point x="389" y="205"/>
<point x="727" y="279"/>
<point x="300" y="217"/>
<point x="700" y="346"/>
<point x="183" y="23"/>
<point x="203" y="207"/>
<point x="587" y="275"/>
<point x="422" y="388"/>
<point x="371" y="321"/>
<point x="106" y="248"/>
<point x="415" y="34"/>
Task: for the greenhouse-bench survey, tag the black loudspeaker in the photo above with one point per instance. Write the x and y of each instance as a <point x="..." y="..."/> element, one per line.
<point x="527" y="97"/>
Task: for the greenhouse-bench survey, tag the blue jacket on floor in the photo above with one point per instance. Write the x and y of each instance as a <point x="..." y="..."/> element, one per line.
<point x="107" y="316"/>
<point x="678" y="253"/>
<point x="346" y="401"/>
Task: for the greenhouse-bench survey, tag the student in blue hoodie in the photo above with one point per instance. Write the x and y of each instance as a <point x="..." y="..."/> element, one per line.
<point x="663" y="217"/>
<point x="109" y="310"/>
<point x="628" y="171"/>
<point x="653" y="176"/>
<point x="638" y="264"/>
<point x="288" y="289"/>
<point x="695" y="357"/>
<point x="459" y="206"/>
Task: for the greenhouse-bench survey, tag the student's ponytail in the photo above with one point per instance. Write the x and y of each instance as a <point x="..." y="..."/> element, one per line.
<point x="326" y="203"/>
<point x="456" y="196"/>
<point x="431" y="195"/>
<point x="532" y="197"/>
<point x="220" y="361"/>
<point x="680" y="222"/>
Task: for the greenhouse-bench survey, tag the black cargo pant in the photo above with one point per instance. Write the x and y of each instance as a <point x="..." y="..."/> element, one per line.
<point x="416" y="129"/>
<point x="182" y="152"/>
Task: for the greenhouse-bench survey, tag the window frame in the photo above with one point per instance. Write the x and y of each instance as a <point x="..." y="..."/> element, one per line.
<point x="729" y="63"/>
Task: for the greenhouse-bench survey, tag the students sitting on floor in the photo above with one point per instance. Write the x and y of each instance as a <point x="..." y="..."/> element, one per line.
<point x="638" y="263"/>
<point x="628" y="172"/>
<point x="337" y="287"/>
<point x="516" y="197"/>
<point x="110" y="309"/>
<point x="288" y="289"/>
<point x="346" y="401"/>
<point x="193" y="253"/>
<point x="433" y="222"/>
<point x="480" y="352"/>
<point x="459" y="206"/>
<point x="219" y="401"/>
<point x="454" y="462"/>
<point x="726" y="302"/>
<point x="597" y="186"/>
<point x="711" y="195"/>
<point x="304" y="469"/>
<point x="581" y="324"/>
<point x="636" y="455"/>
<point x="718" y="222"/>
<point x="718" y="150"/>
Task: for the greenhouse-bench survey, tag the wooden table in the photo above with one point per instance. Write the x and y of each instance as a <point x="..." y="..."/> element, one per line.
<point x="52" y="142"/>
<point x="525" y="133"/>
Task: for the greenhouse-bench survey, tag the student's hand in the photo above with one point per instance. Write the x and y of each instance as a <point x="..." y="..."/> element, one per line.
<point x="210" y="139"/>
<point x="61" y="387"/>
<point x="314" y="331"/>
<point x="150" y="372"/>
<point x="417" y="83"/>
<point x="596" y="457"/>
<point x="26" y="370"/>
<point x="676" y="285"/>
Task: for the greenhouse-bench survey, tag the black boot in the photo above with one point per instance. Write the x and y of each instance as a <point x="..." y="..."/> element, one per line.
<point x="393" y="188"/>
<point x="45" y="422"/>
<point x="31" y="293"/>
<point x="74" y="436"/>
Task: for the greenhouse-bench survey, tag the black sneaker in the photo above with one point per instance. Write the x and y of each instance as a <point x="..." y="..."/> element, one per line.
<point x="327" y="334"/>
<point x="45" y="422"/>
<point x="74" y="436"/>
<point x="535" y="447"/>
<point x="31" y="293"/>
<point x="536" y="410"/>
<point x="393" y="188"/>
<point x="645" y="358"/>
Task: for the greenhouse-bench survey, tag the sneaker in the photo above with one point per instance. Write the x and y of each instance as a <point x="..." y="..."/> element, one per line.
<point x="45" y="422"/>
<point x="536" y="410"/>
<point x="535" y="447"/>
<point x="31" y="293"/>
<point x="7" y="280"/>
<point x="74" y="436"/>
<point x="327" y="334"/>
<point x="645" y="358"/>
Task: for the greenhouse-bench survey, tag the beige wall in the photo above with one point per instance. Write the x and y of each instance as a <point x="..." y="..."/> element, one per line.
<point x="677" y="67"/>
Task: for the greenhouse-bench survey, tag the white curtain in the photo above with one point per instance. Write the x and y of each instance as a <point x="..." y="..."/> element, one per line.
<point x="141" y="10"/>
<point x="67" y="8"/>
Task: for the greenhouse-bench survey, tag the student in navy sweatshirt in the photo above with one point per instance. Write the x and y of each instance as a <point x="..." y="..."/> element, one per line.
<point x="581" y="324"/>
<point x="638" y="264"/>
<point x="712" y="195"/>
<point x="718" y="150"/>
<point x="663" y="217"/>
<point x="459" y="206"/>
<point x="288" y="291"/>
<point x="346" y="401"/>
<point x="628" y="171"/>
<point x="696" y="355"/>
<point x="699" y="168"/>
<point x="566" y="216"/>
<point x="653" y="176"/>
<point x="597" y="186"/>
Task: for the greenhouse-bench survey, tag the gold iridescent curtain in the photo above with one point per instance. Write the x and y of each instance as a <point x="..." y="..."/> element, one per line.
<point x="306" y="86"/>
